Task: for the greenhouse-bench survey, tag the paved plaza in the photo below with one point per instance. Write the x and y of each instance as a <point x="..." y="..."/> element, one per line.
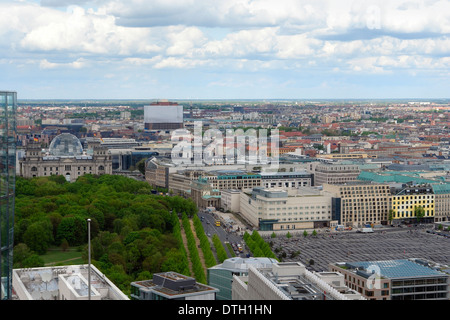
<point x="345" y="246"/>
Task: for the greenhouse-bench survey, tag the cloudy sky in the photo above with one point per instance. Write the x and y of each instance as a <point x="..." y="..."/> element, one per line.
<point x="225" y="49"/>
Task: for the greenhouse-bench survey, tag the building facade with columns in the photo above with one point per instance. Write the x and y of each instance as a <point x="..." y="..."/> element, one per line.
<point x="65" y="157"/>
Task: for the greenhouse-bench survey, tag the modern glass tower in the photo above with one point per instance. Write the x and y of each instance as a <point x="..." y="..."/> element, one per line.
<point x="8" y="104"/>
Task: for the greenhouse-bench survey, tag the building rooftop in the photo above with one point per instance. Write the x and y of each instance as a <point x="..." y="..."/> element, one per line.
<point x="242" y="264"/>
<point x="403" y="268"/>
<point x="45" y="283"/>
<point x="393" y="177"/>
<point x="285" y="174"/>
<point x="297" y="283"/>
<point x="174" y="285"/>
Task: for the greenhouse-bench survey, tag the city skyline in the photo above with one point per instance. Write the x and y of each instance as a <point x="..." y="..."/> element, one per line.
<point x="188" y="49"/>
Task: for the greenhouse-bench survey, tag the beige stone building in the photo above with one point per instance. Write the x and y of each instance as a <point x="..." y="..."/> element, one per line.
<point x="65" y="157"/>
<point x="286" y="209"/>
<point x="180" y="181"/>
<point x="156" y="174"/>
<point x="204" y="195"/>
<point x="335" y="173"/>
<point x="360" y="203"/>
<point x="441" y="202"/>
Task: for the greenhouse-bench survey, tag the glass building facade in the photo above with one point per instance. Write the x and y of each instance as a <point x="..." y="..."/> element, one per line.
<point x="8" y="103"/>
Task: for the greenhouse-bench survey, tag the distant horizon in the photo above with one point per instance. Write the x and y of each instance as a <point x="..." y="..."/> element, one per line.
<point x="238" y="99"/>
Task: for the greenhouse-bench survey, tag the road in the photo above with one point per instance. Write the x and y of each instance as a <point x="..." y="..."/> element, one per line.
<point x="209" y="225"/>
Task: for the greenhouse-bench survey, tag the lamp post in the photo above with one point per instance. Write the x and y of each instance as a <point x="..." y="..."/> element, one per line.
<point x="89" y="258"/>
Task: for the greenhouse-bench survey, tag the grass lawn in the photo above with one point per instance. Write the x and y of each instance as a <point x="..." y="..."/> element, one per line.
<point x="55" y="256"/>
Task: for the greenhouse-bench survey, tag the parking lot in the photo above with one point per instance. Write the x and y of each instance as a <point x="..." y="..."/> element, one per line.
<point x="326" y="248"/>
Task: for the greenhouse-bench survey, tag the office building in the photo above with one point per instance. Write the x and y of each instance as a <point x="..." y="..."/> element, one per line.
<point x="335" y="173"/>
<point x="64" y="283"/>
<point x="156" y="173"/>
<point x="406" y="198"/>
<point x="233" y="179"/>
<point x="180" y="181"/>
<point x="171" y="286"/>
<point x="441" y="202"/>
<point x="290" y="281"/>
<point x="229" y="200"/>
<point x="286" y="179"/>
<point x="127" y="159"/>
<point x="356" y="204"/>
<point x="403" y="279"/>
<point x="163" y="116"/>
<point x="111" y="143"/>
<point x="8" y="106"/>
<point x="286" y="209"/>
<point x="221" y="275"/>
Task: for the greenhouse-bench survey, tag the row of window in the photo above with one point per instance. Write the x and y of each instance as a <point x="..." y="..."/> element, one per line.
<point x="301" y="219"/>
<point x="66" y="168"/>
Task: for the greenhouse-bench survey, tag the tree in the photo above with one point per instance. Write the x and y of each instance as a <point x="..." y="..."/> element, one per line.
<point x="133" y="232"/>
<point x="73" y="229"/>
<point x="64" y="245"/>
<point x="391" y="215"/>
<point x="305" y="233"/>
<point x="419" y="212"/>
<point x="141" y="166"/>
<point x="38" y="236"/>
<point x="23" y="257"/>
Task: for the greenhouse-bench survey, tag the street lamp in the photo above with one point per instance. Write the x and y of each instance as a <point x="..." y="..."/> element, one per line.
<point x="89" y="258"/>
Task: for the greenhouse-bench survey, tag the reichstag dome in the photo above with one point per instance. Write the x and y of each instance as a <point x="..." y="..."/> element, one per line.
<point x="65" y="145"/>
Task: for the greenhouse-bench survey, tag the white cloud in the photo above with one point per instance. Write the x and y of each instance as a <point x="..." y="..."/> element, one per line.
<point x="183" y="39"/>
<point x="220" y="36"/>
<point x="80" y="32"/>
<point x="78" y="64"/>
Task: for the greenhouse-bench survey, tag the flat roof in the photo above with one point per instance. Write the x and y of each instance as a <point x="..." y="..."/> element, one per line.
<point x="242" y="264"/>
<point x="176" y="285"/>
<point x="402" y="268"/>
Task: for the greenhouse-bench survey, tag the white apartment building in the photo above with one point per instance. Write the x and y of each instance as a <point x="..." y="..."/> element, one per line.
<point x="286" y="209"/>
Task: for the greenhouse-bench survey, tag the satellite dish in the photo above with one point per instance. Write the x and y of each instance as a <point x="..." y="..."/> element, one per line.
<point x="46" y="277"/>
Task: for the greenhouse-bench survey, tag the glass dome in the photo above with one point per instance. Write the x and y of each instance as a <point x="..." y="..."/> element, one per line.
<point x="65" y="145"/>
